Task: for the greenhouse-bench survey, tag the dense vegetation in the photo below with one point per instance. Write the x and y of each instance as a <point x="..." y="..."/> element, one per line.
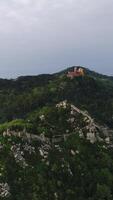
<point x="68" y="169"/>
<point x="94" y="93"/>
<point x="76" y="170"/>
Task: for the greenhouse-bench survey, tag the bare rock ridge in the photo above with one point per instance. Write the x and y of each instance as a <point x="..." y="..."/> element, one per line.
<point x="80" y="121"/>
<point x="89" y="128"/>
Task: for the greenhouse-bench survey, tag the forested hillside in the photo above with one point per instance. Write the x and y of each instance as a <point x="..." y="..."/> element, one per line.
<point x="25" y="95"/>
<point x="56" y="137"/>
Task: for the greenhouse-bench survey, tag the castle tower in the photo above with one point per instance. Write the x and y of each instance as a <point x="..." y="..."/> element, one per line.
<point x="77" y="72"/>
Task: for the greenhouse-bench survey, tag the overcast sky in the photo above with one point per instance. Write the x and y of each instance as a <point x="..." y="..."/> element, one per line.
<point x="44" y="36"/>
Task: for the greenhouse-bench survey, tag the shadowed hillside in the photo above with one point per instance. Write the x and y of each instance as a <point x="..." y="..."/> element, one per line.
<point x="93" y="92"/>
<point x="56" y="137"/>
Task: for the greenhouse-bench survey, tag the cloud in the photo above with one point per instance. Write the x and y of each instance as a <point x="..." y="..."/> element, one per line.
<point x="42" y="35"/>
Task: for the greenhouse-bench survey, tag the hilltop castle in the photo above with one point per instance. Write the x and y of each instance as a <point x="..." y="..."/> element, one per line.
<point x="77" y="72"/>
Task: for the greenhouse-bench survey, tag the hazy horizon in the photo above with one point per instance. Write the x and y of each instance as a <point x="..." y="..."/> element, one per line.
<point x="15" y="76"/>
<point x="46" y="36"/>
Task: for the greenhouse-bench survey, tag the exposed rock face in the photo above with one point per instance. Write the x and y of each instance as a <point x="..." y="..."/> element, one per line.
<point x="18" y="155"/>
<point x="24" y="135"/>
<point x="79" y="121"/>
<point x="44" y="150"/>
<point x="4" y="190"/>
<point x="86" y="127"/>
<point x="32" y="153"/>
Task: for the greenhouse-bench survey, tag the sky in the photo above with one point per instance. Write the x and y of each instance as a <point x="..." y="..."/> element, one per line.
<point x="46" y="36"/>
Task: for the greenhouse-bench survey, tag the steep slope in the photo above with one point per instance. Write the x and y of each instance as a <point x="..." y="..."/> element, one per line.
<point x="54" y="124"/>
<point x="55" y="137"/>
<point x="92" y="94"/>
<point x="71" y="157"/>
<point x="19" y="98"/>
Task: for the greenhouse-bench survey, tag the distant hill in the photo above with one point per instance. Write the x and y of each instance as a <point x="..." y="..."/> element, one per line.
<point x="56" y="137"/>
<point x="93" y="92"/>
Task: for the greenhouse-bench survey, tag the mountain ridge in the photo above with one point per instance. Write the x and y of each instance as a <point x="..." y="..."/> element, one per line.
<point x="20" y="97"/>
<point x="56" y="137"/>
<point x="65" y="70"/>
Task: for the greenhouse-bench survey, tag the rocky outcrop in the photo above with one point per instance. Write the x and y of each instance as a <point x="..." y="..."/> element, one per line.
<point x="85" y="125"/>
<point x="80" y="121"/>
<point x="4" y="190"/>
